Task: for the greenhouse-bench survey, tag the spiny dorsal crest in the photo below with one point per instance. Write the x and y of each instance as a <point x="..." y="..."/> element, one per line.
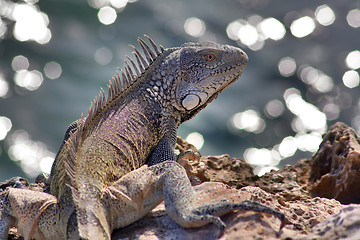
<point x="119" y="84"/>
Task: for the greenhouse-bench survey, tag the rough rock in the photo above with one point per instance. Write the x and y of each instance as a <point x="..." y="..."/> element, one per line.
<point x="301" y="216"/>
<point x="312" y="194"/>
<point x="290" y="182"/>
<point x="335" y="169"/>
<point x="343" y="225"/>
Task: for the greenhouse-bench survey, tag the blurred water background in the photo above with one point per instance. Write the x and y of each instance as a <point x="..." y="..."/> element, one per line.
<point x="302" y="76"/>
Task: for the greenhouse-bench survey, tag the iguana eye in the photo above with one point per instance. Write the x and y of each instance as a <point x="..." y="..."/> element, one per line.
<point x="209" y="57"/>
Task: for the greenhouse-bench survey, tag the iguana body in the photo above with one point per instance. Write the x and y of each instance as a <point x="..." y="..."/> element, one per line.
<point x="99" y="181"/>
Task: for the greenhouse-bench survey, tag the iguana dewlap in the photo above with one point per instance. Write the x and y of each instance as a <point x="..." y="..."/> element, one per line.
<point x="118" y="163"/>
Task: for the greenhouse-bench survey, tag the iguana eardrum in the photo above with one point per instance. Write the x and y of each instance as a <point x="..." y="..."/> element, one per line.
<point x="119" y="163"/>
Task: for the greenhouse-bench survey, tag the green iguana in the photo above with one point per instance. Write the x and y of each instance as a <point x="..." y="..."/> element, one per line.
<point x="118" y="163"/>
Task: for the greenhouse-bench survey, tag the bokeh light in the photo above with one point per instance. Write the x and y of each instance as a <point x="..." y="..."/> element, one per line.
<point x="308" y="142"/>
<point x="194" y="27"/>
<point x="351" y="79"/>
<point x="353" y="60"/>
<point x="118" y="4"/>
<point x="325" y="15"/>
<point x="274" y="108"/>
<point x="308" y="116"/>
<point x="288" y="147"/>
<point x="5" y="127"/>
<point x="3" y="29"/>
<point x="31" y="80"/>
<point x="233" y="28"/>
<point x="316" y="78"/>
<point x="248" y="34"/>
<point x="331" y="110"/>
<point x="103" y="56"/>
<point x="249" y="121"/>
<point x="29" y="154"/>
<point x="20" y="63"/>
<point x="98" y="3"/>
<point x="4" y="86"/>
<point x="272" y="28"/>
<point x="353" y="18"/>
<point x="52" y="70"/>
<point x="287" y="66"/>
<point x="30" y="24"/>
<point x="107" y="15"/>
<point x="260" y="157"/>
<point x="196" y="139"/>
<point x="302" y="27"/>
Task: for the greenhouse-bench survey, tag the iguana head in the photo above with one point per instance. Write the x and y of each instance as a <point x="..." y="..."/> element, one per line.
<point x="205" y="70"/>
<point x="184" y="78"/>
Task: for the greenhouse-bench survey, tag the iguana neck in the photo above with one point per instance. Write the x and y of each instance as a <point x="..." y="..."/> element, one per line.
<point x="122" y="140"/>
<point x="129" y="128"/>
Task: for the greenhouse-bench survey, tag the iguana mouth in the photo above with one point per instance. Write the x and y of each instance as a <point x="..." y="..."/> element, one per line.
<point x="191" y="114"/>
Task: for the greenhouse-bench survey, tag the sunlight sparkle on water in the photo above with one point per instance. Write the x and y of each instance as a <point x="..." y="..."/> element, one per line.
<point x="260" y="157"/>
<point x="331" y="110"/>
<point x="194" y="27"/>
<point x="52" y="70"/>
<point x="233" y="28"/>
<point x="195" y="139"/>
<point x="309" y="117"/>
<point x="316" y="78"/>
<point x="20" y="63"/>
<point x="30" y="24"/>
<point x="3" y="29"/>
<point x="103" y="56"/>
<point x="288" y="147"/>
<point x="287" y="66"/>
<point x="353" y="18"/>
<point x="119" y="4"/>
<point x="274" y="108"/>
<point x="98" y="3"/>
<point x="351" y="79"/>
<point x="302" y="27"/>
<point x="272" y="28"/>
<point x="29" y="154"/>
<point x="308" y="142"/>
<point x="248" y="34"/>
<point x="352" y="60"/>
<point x="107" y="15"/>
<point x="325" y="15"/>
<point x="5" y="127"/>
<point x="30" y="80"/>
<point x="255" y="31"/>
<point x="249" y="121"/>
<point x="4" y="86"/>
<point x="46" y="164"/>
<point x="262" y="170"/>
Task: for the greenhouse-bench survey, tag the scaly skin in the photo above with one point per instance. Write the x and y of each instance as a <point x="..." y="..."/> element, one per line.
<point x="99" y="181"/>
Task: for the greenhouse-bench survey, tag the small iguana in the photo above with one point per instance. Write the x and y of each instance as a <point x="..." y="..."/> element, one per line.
<point x="118" y="163"/>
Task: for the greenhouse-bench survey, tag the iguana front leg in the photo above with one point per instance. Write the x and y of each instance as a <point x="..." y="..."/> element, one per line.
<point x="164" y="151"/>
<point x="180" y="202"/>
<point x="168" y="180"/>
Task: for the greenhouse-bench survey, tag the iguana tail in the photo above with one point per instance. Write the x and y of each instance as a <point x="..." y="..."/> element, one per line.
<point x="91" y="219"/>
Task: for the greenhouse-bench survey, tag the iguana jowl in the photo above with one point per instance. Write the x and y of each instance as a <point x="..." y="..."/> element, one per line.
<point x="119" y="163"/>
